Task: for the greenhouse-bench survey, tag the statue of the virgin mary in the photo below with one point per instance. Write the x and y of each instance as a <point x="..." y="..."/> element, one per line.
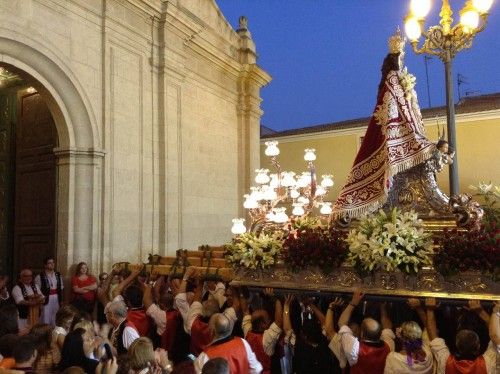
<point x="394" y="145"/>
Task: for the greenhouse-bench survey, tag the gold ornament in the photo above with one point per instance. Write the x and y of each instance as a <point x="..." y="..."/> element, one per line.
<point x="397" y="42"/>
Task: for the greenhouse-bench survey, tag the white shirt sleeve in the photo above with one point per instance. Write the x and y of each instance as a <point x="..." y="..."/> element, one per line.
<point x="490" y="358"/>
<point x="388" y="337"/>
<point x="350" y="345"/>
<point x="246" y="324"/>
<point x="255" y="365"/>
<point x="182" y="305"/>
<point x="194" y="311"/>
<point x="270" y="338"/>
<point x="159" y="317"/>
<point x="200" y="361"/>
<point x="129" y="335"/>
<point x="441" y="353"/>
<point x="219" y="294"/>
<point x="17" y="294"/>
<point x="38" y="281"/>
<point x="230" y="313"/>
<point x="335" y="346"/>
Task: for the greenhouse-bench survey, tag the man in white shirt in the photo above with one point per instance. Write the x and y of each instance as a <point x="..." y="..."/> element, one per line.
<point x="366" y="354"/>
<point x="27" y="296"/>
<point x="124" y="332"/>
<point x="468" y="358"/>
<point x="50" y="283"/>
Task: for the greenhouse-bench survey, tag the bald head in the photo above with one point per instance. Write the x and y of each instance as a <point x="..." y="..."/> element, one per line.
<point x="220" y="326"/>
<point x="370" y="330"/>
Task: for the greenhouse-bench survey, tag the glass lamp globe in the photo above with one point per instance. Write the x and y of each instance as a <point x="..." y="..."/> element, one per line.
<point x="270" y="216"/>
<point x="269" y="193"/>
<point x="320" y="191"/>
<point x="420" y="8"/>
<point x="326" y="208"/>
<point x="272" y="148"/>
<point x="262" y="177"/>
<point x="304" y="179"/>
<point x="274" y="183"/>
<point x="294" y="193"/>
<point x="327" y="181"/>
<point x="303" y="200"/>
<point x="309" y="154"/>
<point x="287" y="179"/>
<point x="280" y="215"/>
<point x="249" y="203"/>
<point x="482" y="6"/>
<point x="413" y="29"/>
<point x="298" y="209"/>
<point x="469" y="18"/>
<point x="238" y="226"/>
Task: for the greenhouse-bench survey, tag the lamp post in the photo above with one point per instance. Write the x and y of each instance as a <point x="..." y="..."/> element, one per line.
<point x="445" y="41"/>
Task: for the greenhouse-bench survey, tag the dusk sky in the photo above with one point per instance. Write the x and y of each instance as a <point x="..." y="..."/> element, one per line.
<point x="325" y="56"/>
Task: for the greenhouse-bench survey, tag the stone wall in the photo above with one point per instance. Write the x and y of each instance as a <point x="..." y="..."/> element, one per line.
<point x="157" y="107"/>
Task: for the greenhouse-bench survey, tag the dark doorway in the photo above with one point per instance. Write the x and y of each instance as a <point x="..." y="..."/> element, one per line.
<point x="27" y="177"/>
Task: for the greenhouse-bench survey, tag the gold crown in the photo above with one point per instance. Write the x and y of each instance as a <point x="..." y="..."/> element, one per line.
<point x="397" y="42"/>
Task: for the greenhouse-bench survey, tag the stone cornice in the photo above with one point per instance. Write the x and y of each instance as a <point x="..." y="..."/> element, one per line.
<point x="460" y="120"/>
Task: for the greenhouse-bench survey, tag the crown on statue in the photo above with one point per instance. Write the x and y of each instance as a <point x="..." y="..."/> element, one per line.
<point x="397" y="42"/>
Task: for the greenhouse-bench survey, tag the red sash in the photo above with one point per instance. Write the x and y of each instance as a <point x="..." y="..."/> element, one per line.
<point x="256" y="342"/>
<point x="140" y="320"/>
<point x="371" y="359"/>
<point x="200" y="336"/>
<point x="234" y="352"/>
<point x="454" y="366"/>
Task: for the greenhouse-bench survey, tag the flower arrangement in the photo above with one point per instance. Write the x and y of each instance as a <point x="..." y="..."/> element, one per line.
<point x="490" y="195"/>
<point x="390" y="242"/>
<point x="469" y="250"/>
<point x="254" y="251"/>
<point x="314" y="245"/>
<point x="408" y="82"/>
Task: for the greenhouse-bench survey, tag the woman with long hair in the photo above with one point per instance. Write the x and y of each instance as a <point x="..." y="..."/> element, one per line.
<point x="414" y="357"/>
<point x="77" y="349"/>
<point x="48" y="354"/>
<point x="84" y="288"/>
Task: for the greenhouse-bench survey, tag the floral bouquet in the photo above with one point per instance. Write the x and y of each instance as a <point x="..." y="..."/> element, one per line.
<point x="408" y="82"/>
<point x="254" y="251"/>
<point x="490" y="195"/>
<point x="390" y="242"/>
<point x="469" y="250"/>
<point x="314" y="245"/>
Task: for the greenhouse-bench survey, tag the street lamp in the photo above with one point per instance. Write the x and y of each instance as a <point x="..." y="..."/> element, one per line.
<point x="445" y="41"/>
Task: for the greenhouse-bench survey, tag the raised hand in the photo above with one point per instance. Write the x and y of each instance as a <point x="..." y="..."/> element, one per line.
<point x="357" y="296"/>
<point x="268" y="291"/>
<point x="336" y="303"/>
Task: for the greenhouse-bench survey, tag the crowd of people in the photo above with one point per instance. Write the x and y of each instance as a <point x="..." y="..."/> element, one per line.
<point x="127" y="322"/>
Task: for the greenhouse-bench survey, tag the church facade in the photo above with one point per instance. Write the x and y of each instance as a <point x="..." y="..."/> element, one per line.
<point x="128" y="127"/>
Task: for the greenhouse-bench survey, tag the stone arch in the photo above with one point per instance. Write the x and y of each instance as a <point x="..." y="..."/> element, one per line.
<point x="72" y="112"/>
<point x="79" y="155"/>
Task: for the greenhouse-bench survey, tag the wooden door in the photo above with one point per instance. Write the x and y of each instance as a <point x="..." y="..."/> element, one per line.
<point x="7" y="125"/>
<point x="35" y="182"/>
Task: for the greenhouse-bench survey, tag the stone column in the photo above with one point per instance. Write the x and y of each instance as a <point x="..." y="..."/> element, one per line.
<point x="79" y="182"/>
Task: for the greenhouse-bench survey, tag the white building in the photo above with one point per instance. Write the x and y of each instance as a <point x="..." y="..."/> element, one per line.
<point x="155" y="111"/>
